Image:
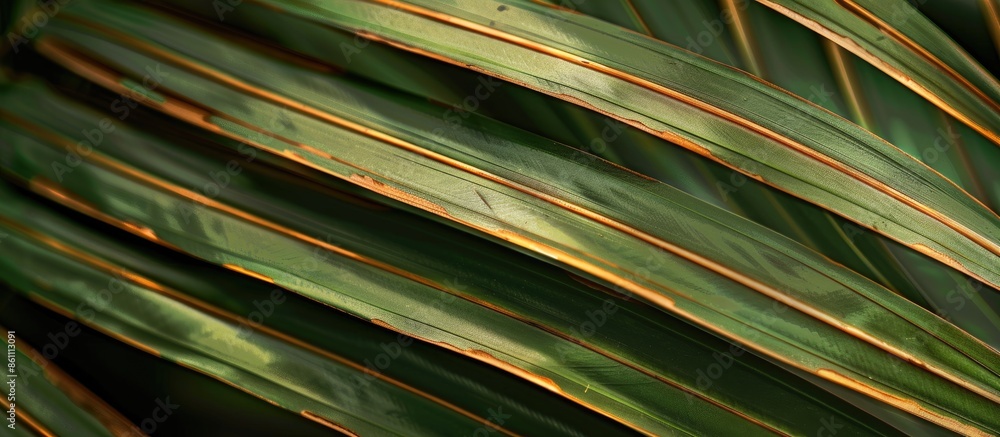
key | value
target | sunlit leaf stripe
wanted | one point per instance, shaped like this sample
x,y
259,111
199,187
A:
x,y
52,403
358,341
895,37
262,353
524,162
163,235
148,233
279,276
161,162
892,35
266,353
497,158
466,318
971,227
895,267
870,98
722,272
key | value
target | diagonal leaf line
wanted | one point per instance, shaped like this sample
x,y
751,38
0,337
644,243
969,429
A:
x,y
877,22
892,71
110,418
788,142
113,165
104,266
736,276
48,190
28,419
933,214
65,312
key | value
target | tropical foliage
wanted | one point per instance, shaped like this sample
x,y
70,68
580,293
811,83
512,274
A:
x,y
501,217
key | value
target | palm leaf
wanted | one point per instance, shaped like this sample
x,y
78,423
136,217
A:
x,y
243,157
